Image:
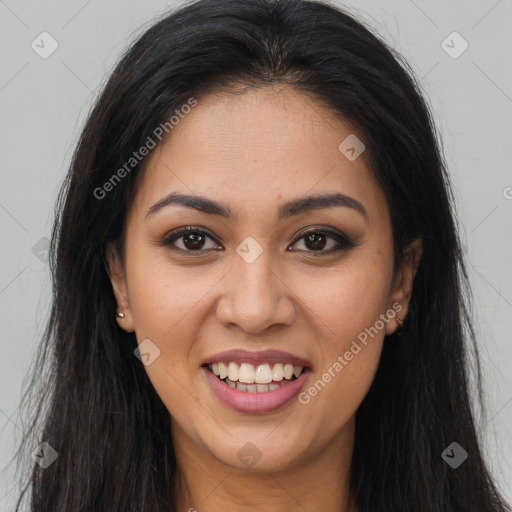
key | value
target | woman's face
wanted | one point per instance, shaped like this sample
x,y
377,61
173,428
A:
x,y
250,174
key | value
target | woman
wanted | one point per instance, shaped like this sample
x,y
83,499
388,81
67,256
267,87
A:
x,y
260,300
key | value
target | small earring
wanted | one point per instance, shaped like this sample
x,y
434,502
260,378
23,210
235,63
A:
x,y
399,320
120,315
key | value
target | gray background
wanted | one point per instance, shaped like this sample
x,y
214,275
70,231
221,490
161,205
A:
x,y
43,103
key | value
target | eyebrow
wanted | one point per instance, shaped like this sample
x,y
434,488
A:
x,y
289,209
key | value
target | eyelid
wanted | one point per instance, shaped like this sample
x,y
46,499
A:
x,y
344,241
178,233
326,231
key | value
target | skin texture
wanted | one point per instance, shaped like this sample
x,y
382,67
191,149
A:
x,y
254,151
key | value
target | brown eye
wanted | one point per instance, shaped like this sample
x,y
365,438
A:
x,y
317,240
194,241
191,240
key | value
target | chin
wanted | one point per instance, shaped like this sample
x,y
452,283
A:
x,y
259,453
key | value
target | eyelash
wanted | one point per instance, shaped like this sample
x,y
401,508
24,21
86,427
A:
x,y
344,242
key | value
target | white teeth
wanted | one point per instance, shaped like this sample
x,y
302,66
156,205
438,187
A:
x,y
233,371
240,386
246,373
259,375
278,372
255,388
223,371
263,374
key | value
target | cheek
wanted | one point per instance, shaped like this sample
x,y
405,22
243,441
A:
x,y
167,302
347,356
347,305
346,300
163,295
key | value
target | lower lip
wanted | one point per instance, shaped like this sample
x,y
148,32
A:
x,y
255,403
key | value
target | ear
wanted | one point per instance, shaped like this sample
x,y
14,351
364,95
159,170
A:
x,y
118,280
402,288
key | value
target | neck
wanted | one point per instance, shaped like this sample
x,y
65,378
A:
x,y
314,483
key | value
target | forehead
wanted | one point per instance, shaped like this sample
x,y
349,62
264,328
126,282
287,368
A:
x,y
257,147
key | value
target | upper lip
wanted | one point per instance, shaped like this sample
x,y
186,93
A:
x,y
241,355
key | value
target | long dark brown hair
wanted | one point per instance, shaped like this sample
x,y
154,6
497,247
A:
x,y
91,400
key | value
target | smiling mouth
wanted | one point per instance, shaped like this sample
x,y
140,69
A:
x,y
252,378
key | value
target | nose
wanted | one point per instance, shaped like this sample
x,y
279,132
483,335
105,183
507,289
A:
x,y
255,297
